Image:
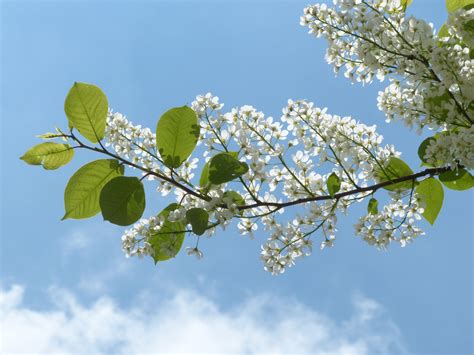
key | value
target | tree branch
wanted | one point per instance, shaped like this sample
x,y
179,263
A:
x,y
373,188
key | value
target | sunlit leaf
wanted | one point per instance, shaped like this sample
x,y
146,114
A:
x,y
177,133
333,184
86,108
405,3
50,155
454,5
81,197
372,207
431,196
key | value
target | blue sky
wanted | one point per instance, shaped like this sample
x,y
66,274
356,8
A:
x,y
149,56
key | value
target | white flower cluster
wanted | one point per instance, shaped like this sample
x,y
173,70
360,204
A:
x,y
292,160
370,38
293,240
135,240
431,76
396,222
452,149
316,141
345,147
133,143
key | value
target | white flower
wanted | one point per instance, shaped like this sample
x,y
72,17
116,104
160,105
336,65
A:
x,y
194,251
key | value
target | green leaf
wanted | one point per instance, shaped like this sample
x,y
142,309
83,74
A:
x,y
405,3
81,197
86,108
50,155
224,167
469,38
469,27
167,242
422,149
333,184
443,31
373,206
431,195
454,5
234,197
396,168
122,200
204,179
50,135
198,218
177,133
457,180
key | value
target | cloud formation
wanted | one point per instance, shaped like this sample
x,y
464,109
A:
x,y
188,322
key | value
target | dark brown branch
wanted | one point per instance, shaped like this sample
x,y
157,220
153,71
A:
x,y
373,188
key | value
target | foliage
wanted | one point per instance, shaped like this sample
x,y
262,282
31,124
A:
x,y
177,133
50,155
81,197
253,168
122,200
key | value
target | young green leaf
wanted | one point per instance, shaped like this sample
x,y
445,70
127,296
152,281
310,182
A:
x,y
122,200
177,133
167,242
396,168
373,206
50,135
50,155
431,194
86,108
459,179
198,218
443,31
405,3
204,179
81,197
333,184
224,167
454,5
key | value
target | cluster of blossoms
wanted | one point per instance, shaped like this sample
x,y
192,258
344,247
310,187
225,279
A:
x,y
431,75
131,142
315,141
396,222
255,167
299,158
452,149
135,240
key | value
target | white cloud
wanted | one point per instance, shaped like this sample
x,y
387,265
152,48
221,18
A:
x,y
97,282
77,240
189,322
